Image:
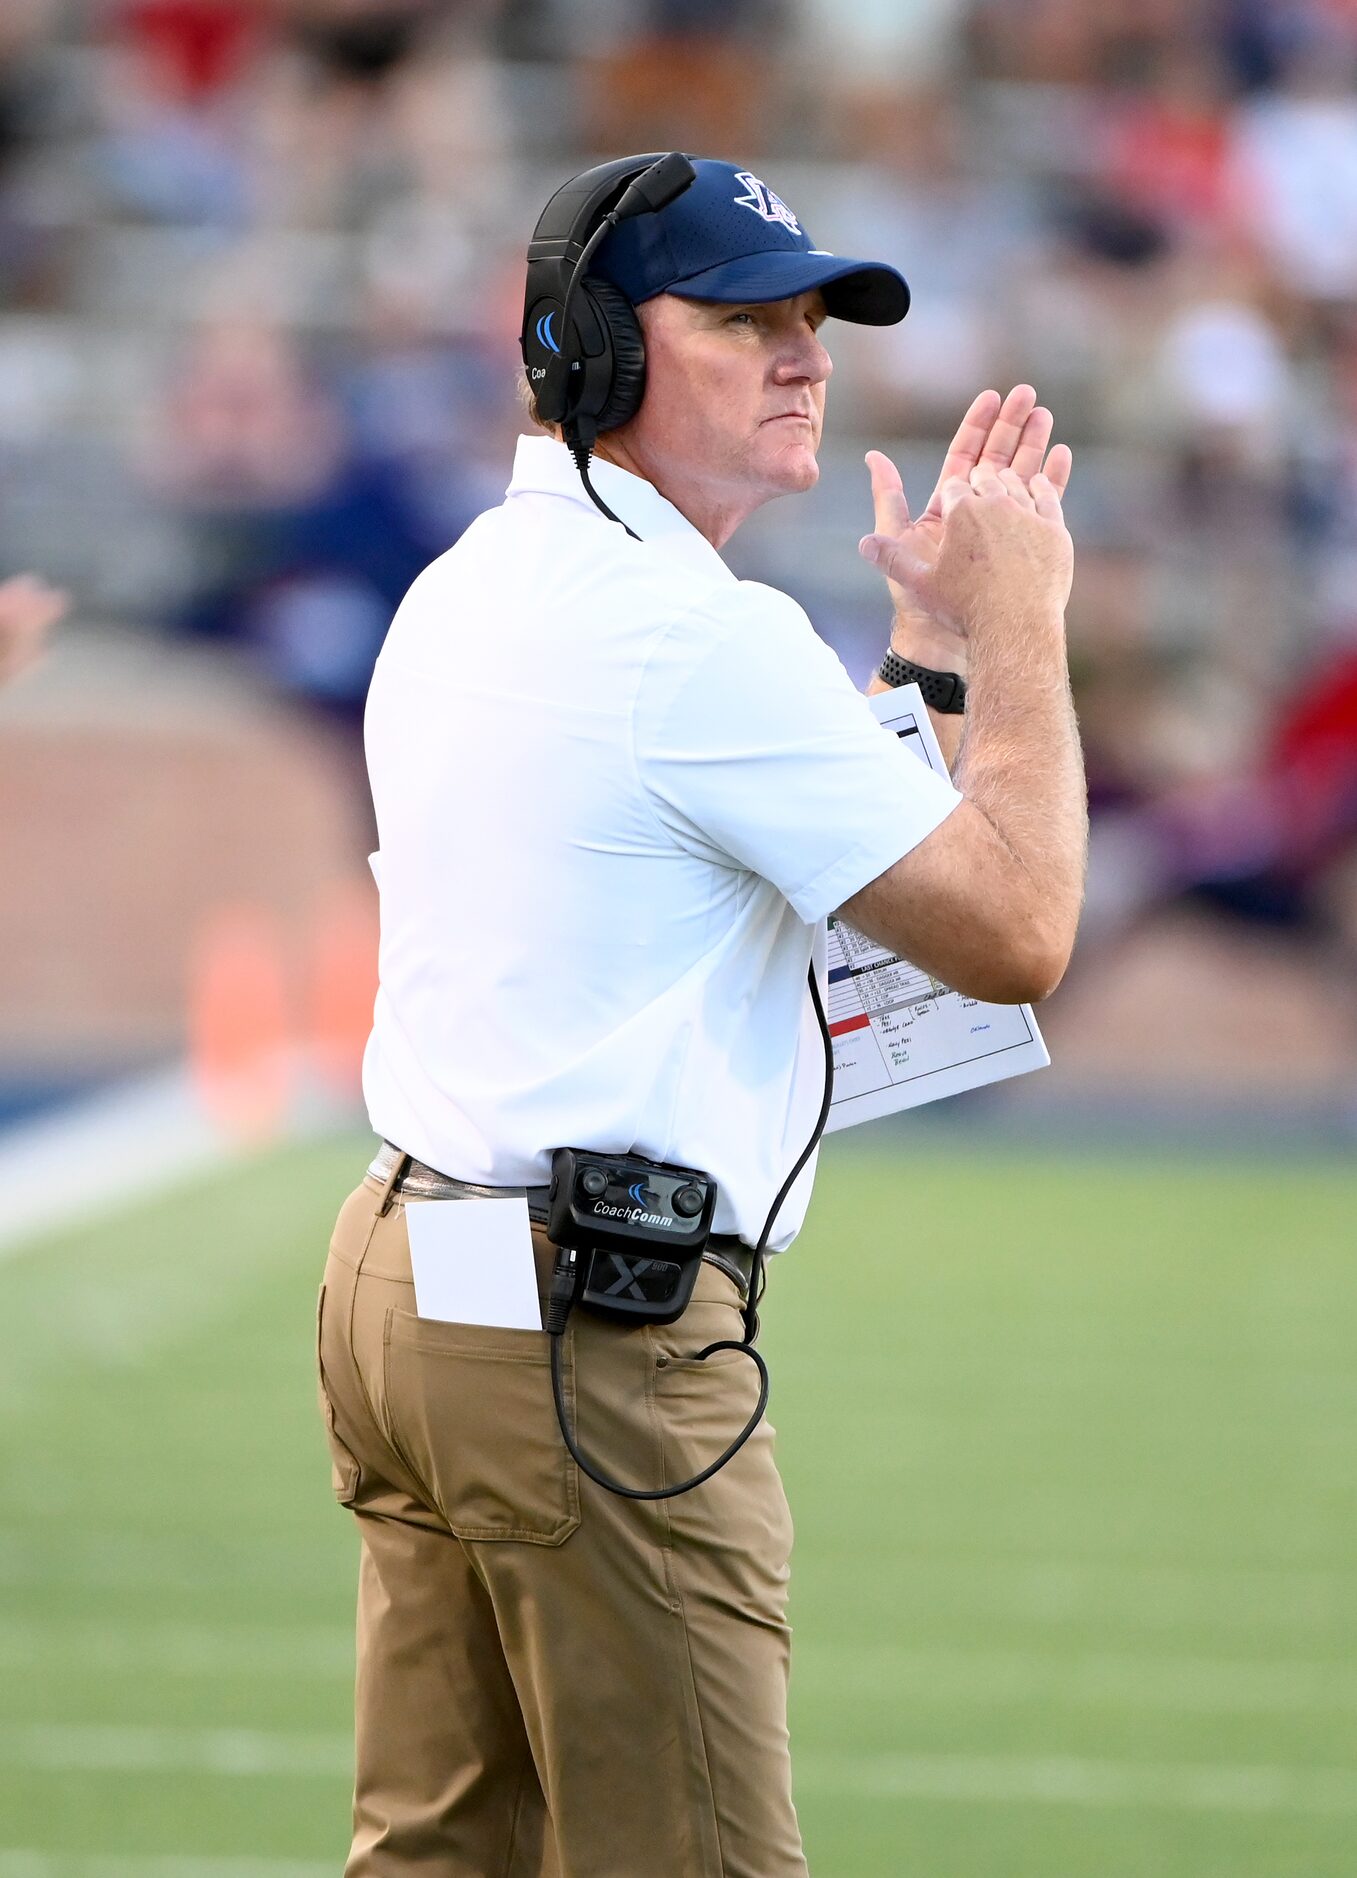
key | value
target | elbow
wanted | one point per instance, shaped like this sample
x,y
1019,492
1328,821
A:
x,y
1019,973
1044,976
1041,969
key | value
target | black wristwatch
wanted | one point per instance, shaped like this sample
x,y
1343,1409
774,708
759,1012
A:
x,y
942,691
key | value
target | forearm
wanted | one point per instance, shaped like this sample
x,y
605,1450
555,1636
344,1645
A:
x,y
1020,762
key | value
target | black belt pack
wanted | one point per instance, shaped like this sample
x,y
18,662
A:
x,y
637,1229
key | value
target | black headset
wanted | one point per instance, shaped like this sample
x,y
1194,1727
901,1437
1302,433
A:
x,y
581,340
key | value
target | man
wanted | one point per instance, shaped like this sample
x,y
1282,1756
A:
x,y
618,791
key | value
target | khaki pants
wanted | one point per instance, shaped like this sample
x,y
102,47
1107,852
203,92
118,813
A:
x,y
554,1682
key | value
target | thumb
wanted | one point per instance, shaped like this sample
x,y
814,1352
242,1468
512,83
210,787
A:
x,y
894,560
891,510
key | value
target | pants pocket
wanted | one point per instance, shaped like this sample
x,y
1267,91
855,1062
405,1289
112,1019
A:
x,y
343,1466
471,1409
738,1522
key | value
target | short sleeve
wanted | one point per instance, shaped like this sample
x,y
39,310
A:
x,y
761,752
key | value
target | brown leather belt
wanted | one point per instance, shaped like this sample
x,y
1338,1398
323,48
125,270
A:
x,y
420,1182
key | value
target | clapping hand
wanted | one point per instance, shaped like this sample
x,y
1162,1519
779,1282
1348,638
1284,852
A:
x,y
1012,434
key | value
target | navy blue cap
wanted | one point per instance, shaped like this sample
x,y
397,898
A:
x,y
728,237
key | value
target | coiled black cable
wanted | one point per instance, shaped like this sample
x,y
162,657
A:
x,y
586,1466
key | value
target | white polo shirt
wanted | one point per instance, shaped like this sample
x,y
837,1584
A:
x,y
617,792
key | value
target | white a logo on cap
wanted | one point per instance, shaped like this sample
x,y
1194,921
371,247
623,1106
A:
x,y
762,201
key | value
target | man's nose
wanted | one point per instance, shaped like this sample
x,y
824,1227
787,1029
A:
x,y
807,359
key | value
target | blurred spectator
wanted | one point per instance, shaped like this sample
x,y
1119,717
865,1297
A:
x,y
246,428
312,519
29,115
1167,143
359,42
1295,158
1225,375
871,62
24,26
379,107
193,50
1258,38
1074,41
696,75
930,206
171,150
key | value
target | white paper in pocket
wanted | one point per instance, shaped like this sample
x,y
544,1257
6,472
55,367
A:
x,y
472,1262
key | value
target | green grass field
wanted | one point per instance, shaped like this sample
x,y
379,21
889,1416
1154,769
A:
x,y
1071,1447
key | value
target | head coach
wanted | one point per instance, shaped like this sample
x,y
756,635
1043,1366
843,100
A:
x,y
618,792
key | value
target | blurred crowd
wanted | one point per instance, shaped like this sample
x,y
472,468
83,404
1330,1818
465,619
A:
x,y
260,277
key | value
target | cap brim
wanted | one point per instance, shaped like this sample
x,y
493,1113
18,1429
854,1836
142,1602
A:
x,y
867,292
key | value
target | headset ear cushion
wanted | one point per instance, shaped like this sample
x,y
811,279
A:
x,y
629,353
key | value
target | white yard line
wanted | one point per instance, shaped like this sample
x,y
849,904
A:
x,y
18,1862
80,1168
75,1164
1070,1781
997,1779
168,1649
1151,1596
96,1560
126,1142
115,1748
1214,1685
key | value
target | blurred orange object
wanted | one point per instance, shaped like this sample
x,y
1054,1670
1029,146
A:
x,y
342,984
241,1050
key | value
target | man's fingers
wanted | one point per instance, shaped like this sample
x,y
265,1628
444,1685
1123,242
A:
x,y
1047,498
1032,444
1007,428
890,509
984,480
963,453
893,559
1016,487
1057,468
953,491
1009,433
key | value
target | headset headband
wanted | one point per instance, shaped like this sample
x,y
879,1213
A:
x,y
578,206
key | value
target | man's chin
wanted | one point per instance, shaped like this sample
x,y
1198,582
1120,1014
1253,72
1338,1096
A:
x,y
794,471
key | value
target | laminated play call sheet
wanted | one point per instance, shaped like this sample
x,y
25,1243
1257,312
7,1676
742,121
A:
x,y
900,1036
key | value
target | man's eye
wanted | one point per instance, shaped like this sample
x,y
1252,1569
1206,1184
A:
x,y
735,317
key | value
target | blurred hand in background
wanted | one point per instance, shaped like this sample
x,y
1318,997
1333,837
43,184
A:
x,y
29,608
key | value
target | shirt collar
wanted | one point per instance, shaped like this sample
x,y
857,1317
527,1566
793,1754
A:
x,y
542,466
